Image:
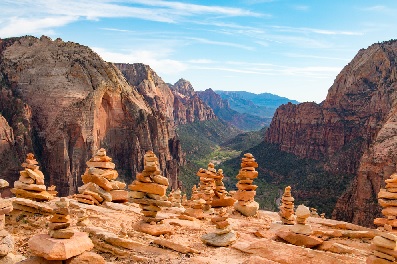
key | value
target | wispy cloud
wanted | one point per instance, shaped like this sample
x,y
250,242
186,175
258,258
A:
x,y
220,43
295,55
316,31
158,59
301,7
37,13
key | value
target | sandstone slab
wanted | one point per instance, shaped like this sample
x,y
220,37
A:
x,y
87,258
248,210
153,188
175,246
60,249
154,230
298,239
219,240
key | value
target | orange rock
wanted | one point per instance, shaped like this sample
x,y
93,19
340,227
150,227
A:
x,y
119,195
244,195
298,239
153,188
101,164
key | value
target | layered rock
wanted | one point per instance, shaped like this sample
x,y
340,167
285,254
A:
x,y
6,240
100,182
221,196
207,184
44,81
223,235
383,249
353,129
31,182
287,207
387,199
246,204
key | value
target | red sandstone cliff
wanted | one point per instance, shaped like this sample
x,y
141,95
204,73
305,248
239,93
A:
x,y
63,102
354,130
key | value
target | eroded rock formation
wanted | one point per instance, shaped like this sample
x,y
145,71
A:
x,y
64,102
353,130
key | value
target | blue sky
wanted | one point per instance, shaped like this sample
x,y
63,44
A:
x,y
290,48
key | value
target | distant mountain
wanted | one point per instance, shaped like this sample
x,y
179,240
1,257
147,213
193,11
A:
x,y
222,109
263,105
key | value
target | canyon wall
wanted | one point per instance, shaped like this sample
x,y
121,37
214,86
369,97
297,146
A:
x,y
63,102
354,130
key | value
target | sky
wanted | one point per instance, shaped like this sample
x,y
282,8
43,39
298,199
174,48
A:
x,y
291,48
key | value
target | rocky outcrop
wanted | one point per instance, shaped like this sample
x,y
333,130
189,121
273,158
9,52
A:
x,y
353,130
188,107
222,109
64,102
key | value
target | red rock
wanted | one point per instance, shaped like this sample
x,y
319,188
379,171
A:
x,y
87,258
154,230
153,188
120,196
60,249
299,240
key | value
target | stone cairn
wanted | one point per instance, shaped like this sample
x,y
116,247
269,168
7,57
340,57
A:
x,y
246,204
223,235
221,197
177,198
207,185
287,207
31,182
62,242
100,183
185,201
387,198
313,212
383,249
148,190
302,213
6,240
196,204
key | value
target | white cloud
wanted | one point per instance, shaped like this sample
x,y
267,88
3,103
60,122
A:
x,y
316,30
221,43
201,61
301,7
157,60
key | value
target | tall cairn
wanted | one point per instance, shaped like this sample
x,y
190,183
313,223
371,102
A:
x,y
383,249
246,204
207,184
100,183
387,198
287,207
148,190
221,197
31,182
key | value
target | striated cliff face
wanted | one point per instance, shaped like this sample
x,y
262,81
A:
x,y
188,107
63,102
354,130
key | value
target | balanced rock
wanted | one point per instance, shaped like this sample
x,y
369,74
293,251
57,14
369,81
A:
x,y
221,197
287,207
223,235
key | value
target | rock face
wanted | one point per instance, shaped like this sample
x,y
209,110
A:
x,y
353,130
243,121
64,102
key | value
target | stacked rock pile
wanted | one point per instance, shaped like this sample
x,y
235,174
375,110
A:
x,y
223,234
62,242
384,249
31,182
221,197
60,221
313,212
6,240
82,218
177,198
207,184
149,189
287,207
302,213
100,183
246,204
387,198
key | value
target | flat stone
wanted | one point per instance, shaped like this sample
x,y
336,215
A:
x,y
119,195
95,195
152,201
26,179
95,188
335,248
148,187
298,239
242,195
38,196
248,210
382,255
87,258
60,249
118,185
101,164
98,180
216,240
154,230
33,174
301,229
62,233
390,252
160,180
39,260
56,226
6,245
30,187
136,194
384,242
387,195
175,246
387,203
375,260
41,207
223,202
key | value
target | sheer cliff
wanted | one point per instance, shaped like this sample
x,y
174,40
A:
x,y
353,131
63,102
